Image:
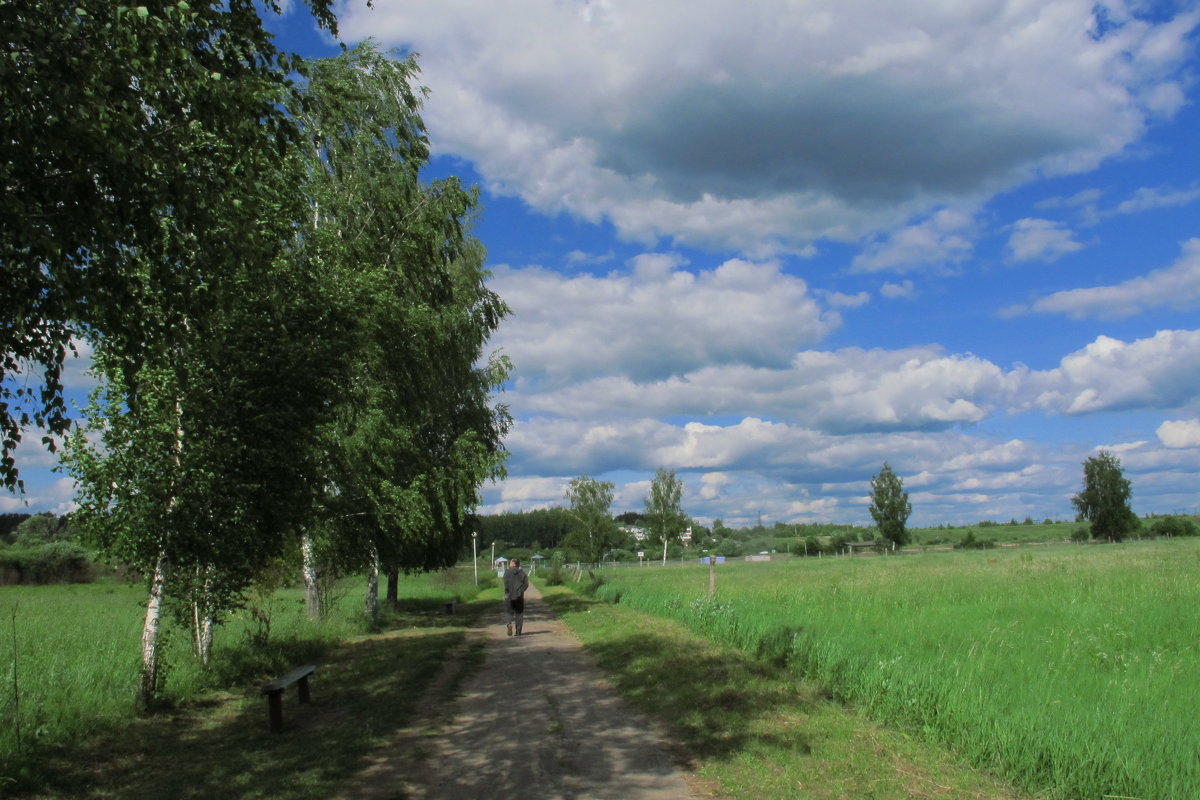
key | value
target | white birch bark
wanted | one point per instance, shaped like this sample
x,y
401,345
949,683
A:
x,y
312,597
149,682
373,586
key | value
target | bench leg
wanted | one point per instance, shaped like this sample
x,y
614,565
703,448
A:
x,y
302,689
275,710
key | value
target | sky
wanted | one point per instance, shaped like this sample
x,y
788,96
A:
x,y
772,246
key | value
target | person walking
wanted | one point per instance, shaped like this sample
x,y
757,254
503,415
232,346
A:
x,y
515,584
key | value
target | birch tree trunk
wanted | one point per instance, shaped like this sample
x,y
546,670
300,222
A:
x,y
202,620
312,597
664,550
372,604
149,682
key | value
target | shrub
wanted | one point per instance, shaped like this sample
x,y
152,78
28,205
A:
x,y
55,562
1081,535
1174,526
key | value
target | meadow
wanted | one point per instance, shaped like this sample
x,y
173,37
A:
x,y
1068,669
70,654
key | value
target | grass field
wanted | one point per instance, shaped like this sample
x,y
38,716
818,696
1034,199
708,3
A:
x,y
69,658
1070,670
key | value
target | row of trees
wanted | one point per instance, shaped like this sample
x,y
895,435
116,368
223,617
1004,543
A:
x,y
594,532
287,324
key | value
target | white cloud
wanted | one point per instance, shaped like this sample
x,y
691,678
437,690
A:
x,y
1147,199
1176,287
1041,240
1180,433
941,240
894,291
1111,375
655,321
843,391
766,127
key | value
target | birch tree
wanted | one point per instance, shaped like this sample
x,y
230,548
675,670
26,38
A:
x,y
593,530
127,133
414,432
664,516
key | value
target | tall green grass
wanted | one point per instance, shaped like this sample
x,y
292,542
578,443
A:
x,y
1070,670
70,654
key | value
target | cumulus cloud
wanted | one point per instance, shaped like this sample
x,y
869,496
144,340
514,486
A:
x,y
1180,433
1040,240
850,390
1175,287
655,320
770,127
1111,375
943,239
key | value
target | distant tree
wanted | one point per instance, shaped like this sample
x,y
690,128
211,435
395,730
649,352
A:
x,y
1104,501
42,529
635,518
8,525
889,506
665,519
593,532
1170,527
729,548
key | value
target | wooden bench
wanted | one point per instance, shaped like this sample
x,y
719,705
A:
x,y
274,693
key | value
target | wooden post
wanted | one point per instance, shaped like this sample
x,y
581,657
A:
x,y
712,575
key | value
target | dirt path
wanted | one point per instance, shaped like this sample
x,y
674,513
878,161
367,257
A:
x,y
538,720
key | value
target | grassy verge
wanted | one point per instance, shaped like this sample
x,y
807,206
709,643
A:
x,y
750,726
215,743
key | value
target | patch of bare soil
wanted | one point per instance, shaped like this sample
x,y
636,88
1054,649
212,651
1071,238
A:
x,y
537,719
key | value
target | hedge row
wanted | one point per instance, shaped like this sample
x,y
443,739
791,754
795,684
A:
x,y
55,562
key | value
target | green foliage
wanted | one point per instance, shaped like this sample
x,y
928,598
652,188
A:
x,y
1104,500
413,433
664,518
49,562
556,575
129,135
9,524
545,527
969,542
1174,526
41,529
889,506
1081,534
593,532
730,548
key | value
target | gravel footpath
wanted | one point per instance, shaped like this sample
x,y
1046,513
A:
x,y
537,720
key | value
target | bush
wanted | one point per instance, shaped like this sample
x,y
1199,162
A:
x,y
969,542
56,562
729,548
1081,535
1174,526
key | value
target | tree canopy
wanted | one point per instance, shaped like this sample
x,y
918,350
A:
x,y
1104,500
889,506
664,517
593,532
127,135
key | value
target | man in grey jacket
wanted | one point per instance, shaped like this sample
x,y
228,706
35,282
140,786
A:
x,y
515,584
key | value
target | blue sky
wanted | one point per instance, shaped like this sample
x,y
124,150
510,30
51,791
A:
x,y
771,246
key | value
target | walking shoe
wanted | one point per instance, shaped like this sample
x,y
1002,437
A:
x,y
510,629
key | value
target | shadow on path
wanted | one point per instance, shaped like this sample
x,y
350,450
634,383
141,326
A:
x,y
537,720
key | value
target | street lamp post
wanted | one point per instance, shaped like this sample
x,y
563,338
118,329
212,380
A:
x,y
475,555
